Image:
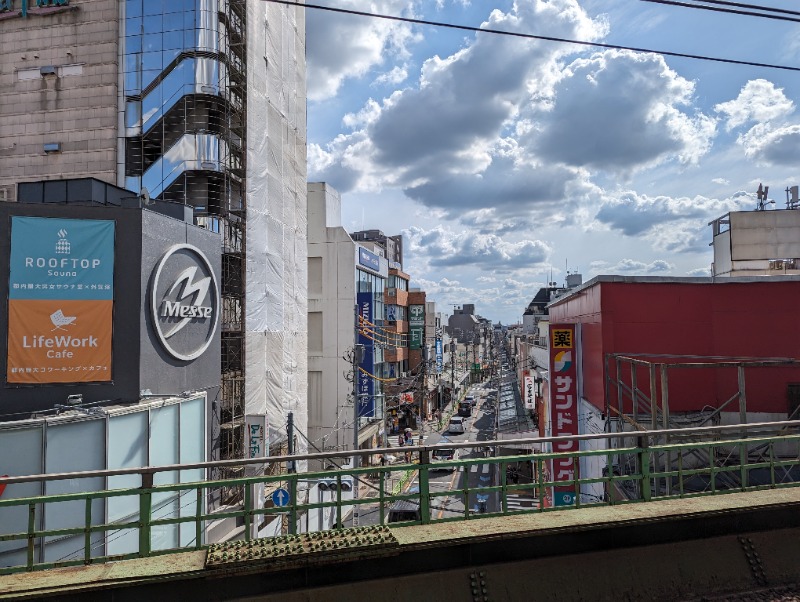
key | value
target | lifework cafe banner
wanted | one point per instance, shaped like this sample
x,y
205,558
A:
x,y
563,407
60,300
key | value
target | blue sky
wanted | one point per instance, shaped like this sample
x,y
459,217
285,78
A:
x,y
504,160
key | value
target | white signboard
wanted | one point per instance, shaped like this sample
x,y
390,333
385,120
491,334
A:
x,y
529,397
256,437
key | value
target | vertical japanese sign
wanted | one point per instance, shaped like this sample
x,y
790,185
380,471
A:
x,y
257,438
416,324
529,397
439,352
60,300
563,408
366,383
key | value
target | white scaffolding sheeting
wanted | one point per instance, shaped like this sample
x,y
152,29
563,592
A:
x,y
276,287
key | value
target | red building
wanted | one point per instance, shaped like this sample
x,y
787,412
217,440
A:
x,y
733,318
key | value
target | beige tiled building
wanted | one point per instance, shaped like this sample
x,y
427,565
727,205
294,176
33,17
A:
x,y
58,92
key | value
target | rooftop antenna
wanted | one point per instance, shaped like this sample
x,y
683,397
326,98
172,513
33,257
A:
x,y
794,201
761,195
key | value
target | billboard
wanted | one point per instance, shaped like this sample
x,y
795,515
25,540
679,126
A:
x,y
366,383
60,300
368,259
416,323
563,407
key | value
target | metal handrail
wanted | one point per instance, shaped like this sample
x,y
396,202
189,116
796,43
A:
x,y
644,481
151,470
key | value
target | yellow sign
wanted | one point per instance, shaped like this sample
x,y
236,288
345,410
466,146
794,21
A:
x,y
561,338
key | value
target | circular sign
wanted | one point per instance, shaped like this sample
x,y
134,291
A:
x,y
184,302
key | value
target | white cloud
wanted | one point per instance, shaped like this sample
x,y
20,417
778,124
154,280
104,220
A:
x,y
445,248
341,46
634,214
758,101
772,145
620,111
395,76
631,266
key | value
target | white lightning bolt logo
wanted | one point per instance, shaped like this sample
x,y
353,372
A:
x,y
199,289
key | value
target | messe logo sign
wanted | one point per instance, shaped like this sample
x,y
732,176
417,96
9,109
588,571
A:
x,y
184,302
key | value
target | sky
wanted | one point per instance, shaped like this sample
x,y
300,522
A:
x,y
506,162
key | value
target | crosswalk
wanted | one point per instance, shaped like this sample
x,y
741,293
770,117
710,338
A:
x,y
521,502
484,468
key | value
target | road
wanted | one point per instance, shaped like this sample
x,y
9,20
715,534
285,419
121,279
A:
x,y
480,426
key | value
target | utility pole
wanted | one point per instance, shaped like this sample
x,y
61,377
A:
x,y
358,355
423,406
290,445
453,372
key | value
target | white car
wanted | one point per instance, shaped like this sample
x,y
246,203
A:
x,y
444,454
456,425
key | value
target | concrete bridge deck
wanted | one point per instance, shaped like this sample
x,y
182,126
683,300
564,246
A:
x,y
679,549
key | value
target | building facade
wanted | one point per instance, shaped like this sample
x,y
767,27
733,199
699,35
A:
x,y
198,102
346,283
689,351
757,243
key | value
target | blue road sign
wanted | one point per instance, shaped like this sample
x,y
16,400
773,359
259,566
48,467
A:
x,y
280,497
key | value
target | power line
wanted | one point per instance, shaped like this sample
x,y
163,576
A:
x,y
529,36
757,11
756,6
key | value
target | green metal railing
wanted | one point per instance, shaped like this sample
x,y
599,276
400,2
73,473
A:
x,y
710,466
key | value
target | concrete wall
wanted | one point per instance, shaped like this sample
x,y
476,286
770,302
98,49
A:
x,y
77,107
331,301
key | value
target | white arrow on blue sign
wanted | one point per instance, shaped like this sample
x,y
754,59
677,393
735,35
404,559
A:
x,y
280,497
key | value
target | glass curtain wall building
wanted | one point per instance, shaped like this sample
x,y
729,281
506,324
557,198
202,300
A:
x,y
184,80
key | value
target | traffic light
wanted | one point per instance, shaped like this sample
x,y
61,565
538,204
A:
x,y
333,485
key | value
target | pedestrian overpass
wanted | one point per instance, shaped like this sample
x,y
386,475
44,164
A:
x,y
701,512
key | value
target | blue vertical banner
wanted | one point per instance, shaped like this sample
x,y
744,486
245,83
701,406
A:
x,y
366,335
439,360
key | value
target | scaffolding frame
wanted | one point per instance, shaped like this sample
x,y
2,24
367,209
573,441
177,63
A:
x,y
650,411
